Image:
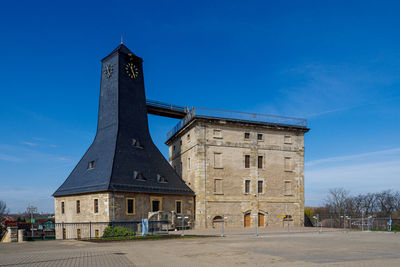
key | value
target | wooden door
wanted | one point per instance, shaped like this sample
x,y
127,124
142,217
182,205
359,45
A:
x,y
247,220
260,220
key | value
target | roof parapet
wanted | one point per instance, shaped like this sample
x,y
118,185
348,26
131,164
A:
x,y
237,116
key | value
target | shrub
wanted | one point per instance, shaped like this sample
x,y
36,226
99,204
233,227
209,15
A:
x,y
396,227
118,231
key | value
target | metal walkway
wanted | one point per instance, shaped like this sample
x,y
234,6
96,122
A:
x,y
166,110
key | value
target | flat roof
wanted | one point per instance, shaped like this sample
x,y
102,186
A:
x,y
237,116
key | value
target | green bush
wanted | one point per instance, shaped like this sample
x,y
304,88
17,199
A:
x,y
118,231
396,227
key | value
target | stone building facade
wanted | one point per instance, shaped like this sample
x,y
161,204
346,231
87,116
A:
x,y
247,171
73,213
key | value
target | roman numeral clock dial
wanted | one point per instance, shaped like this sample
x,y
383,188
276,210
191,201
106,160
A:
x,y
132,70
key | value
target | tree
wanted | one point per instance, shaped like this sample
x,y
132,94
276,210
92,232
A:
x,y
3,209
338,200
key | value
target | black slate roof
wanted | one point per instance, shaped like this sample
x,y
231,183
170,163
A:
x,y
123,149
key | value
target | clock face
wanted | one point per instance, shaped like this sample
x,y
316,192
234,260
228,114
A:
x,y
131,70
108,70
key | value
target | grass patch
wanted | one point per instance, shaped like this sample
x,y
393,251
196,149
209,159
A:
x,y
148,237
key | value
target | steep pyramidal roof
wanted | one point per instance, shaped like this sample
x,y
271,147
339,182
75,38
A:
x,y
123,156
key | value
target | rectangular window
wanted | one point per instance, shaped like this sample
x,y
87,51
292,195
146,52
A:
x,y
188,137
288,164
247,161
64,233
96,206
97,233
288,188
247,186
78,233
178,206
217,160
78,206
62,207
246,135
288,139
217,134
156,204
130,206
260,187
260,162
91,165
218,186
259,137
189,165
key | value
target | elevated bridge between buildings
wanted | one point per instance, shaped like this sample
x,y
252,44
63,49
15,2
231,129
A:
x,y
166,110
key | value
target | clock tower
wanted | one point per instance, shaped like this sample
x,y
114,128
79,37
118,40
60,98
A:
x,y
123,160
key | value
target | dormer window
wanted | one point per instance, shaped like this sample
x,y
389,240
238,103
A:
x,y
161,179
139,176
91,165
136,143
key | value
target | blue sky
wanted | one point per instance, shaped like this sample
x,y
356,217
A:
x,y
335,63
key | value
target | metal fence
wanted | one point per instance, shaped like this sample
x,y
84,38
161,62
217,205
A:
x,y
266,223
96,230
236,115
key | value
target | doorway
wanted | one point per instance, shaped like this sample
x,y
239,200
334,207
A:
x,y
261,220
247,220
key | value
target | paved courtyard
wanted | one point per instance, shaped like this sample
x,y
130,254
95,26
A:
x,y
269,249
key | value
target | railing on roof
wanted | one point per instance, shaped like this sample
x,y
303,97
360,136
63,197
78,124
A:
x,y
165,105
238,116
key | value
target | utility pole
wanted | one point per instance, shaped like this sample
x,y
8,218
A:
x,y
362,221
31,210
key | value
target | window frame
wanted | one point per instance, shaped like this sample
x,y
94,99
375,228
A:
x,y
96,206
151,203
127,206
288,164
287,139
258,186
290,191
262,162
258,137
62,207
220,165
91,165
217,134
247,181
246,134
78,206
181,207
218,180
247,163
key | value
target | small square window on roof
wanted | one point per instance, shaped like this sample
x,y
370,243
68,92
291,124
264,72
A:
x,y
139,176
136,143
161,179
91,165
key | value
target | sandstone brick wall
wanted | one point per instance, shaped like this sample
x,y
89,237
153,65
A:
x,y
217,172
71,221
